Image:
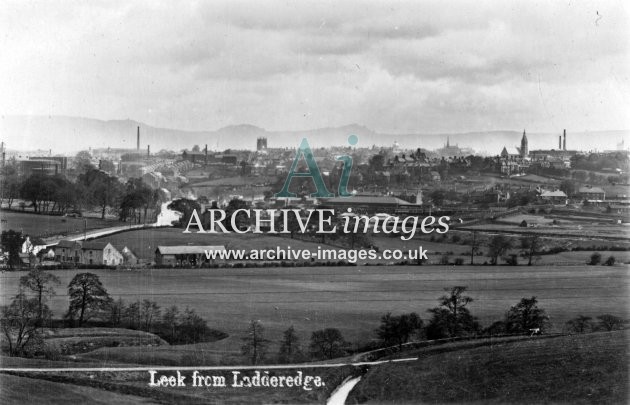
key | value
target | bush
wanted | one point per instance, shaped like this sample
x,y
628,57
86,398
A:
x,y
610,261
445,259
581,324
610,322
511,260
595,259
459,261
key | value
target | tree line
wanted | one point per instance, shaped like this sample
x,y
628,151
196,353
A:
x,y
93,188
450,319
24,319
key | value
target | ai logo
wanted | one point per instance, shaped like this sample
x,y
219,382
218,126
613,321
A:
x,y
313,172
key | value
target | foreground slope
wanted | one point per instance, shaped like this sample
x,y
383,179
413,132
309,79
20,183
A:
x,y
589,368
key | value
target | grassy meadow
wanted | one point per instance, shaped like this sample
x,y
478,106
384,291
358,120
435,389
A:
x,y
349,298
575,369
46,225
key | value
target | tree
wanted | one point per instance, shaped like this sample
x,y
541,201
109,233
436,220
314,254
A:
x,y
192,328
290,345
88,297
610,322
131,315
580,324
255,344
170,318
532,246
117,310
9,185
474,247
327,343
569,187
137,196
437,196
525,316
499,244
20,322
452,318
241,220
107,166
83,161
376,162
398,329
12,242
595,259
102,189
40,282
149,311
186,207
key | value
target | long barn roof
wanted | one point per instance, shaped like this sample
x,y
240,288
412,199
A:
x,y
187,250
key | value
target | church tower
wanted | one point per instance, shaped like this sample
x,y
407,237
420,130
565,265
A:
x,y
524,148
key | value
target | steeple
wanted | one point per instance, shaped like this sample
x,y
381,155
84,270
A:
x,y
524,147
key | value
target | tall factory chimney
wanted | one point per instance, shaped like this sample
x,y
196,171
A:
x,y
205,161
564,141
559,142
148,150
138,140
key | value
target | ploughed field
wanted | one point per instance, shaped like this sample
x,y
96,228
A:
x,y
352,299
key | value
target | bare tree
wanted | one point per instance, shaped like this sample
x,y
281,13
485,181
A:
x,y
290,345
149,311
20,322
499,244
170,318
255,343
532,245
39,282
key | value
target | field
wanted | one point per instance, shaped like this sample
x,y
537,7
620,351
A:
x,y
47,225
579,369
20,390
349,298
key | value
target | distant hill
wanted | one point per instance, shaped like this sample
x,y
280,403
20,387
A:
x,y
70,134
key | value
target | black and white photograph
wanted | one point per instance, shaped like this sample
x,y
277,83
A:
x,y
314,202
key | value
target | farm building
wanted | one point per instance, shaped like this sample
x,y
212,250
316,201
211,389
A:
x,y
94,252
556,197
172,256
366,204
129,257
68,252
591,193
101,253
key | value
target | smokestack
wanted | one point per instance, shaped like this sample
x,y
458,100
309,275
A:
x,y
148,150
205,161
138,140
564,142
559,142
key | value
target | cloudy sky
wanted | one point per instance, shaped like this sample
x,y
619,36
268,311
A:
x,y
438,66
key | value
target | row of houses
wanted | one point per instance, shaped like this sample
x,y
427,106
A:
x,y
103,253
94,253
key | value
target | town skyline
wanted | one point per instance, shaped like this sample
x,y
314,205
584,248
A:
x,y
22,132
